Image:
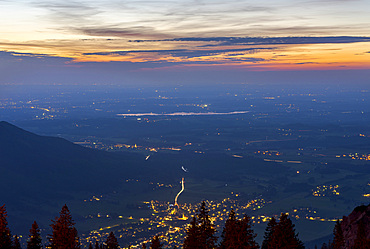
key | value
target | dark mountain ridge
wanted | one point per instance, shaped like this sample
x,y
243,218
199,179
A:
x,y
39,172
351,223
58,162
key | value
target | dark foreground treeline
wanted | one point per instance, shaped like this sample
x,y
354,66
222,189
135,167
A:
x,y
201,234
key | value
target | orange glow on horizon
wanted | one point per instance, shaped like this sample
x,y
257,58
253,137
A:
x,y
292,57
190,55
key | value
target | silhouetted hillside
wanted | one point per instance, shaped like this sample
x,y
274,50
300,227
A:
x,y
54,163
350,224
42,171
38,169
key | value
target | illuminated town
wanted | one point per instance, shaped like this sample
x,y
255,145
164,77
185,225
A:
x,y
170,220
326,190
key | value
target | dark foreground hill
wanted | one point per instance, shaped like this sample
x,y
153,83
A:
x,y
351,223
37,171
55,164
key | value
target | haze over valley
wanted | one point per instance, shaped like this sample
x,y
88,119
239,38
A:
x,y
296,150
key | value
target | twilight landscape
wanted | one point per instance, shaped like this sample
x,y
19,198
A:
x,y
192,124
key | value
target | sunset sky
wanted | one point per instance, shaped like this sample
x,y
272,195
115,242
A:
x,y
134,40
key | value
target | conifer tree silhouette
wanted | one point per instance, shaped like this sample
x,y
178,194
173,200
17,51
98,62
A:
x,y
16,244
192,235
64,234
201,233
111,242
34,240
246,234
361,242
324,246
228,234
155,243
96,246
271,225
238,233
284,235
338,242
5,236
207,238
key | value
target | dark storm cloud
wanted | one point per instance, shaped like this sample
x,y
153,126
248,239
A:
x,y
244,59
226,41
184,52
17,57
305,63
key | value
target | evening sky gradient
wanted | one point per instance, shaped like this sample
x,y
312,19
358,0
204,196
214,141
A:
x,y
195,41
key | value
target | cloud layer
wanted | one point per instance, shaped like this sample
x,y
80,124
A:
x,y
137,36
